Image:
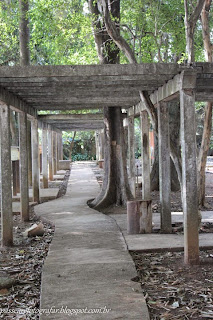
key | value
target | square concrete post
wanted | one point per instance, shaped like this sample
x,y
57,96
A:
x,y
57,151
164,167
189,169
50,152
131,153
29,148
44,155
146,168
97,145
35,161
16,180
54,153
6,187
101,143
61,147
24,186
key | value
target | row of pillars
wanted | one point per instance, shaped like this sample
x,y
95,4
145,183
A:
x,y
29,165
189,168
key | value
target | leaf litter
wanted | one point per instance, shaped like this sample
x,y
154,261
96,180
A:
x,y
174,290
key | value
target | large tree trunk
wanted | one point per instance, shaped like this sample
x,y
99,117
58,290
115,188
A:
x,y
207,128
115,189
24,33
190,23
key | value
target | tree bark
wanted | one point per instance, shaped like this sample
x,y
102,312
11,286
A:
x,y
24,33
115,189
207,129
190,23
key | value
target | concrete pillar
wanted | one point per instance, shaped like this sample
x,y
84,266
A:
x,y
24,186
97,145
189,174
44,155
6,187
16,179
101,143
50,152
61,147
35,160
146,183
131,153
54,156
164,167
29,148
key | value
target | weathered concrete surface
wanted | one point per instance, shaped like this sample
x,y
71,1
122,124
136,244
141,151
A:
x,y
45,194
162,242
88,264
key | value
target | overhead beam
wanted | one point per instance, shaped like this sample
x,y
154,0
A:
x,y
71,117
16,104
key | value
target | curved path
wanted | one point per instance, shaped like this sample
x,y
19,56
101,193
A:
x,y
88,266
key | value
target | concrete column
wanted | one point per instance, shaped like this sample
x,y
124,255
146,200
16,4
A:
x,y
44,155
57,151
54,157
189,176
50,152
97,145
16,180
164,167
61,147
6,187
35,161
101,143
146,184
131,153
29,148
24,187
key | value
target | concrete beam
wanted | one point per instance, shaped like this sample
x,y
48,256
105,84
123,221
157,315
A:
x,y
64,118
16,103
6,188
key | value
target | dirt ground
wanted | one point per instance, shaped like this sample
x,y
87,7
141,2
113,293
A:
x,y
173,290
22,264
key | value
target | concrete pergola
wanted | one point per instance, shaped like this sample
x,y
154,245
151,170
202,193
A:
x,y
28,90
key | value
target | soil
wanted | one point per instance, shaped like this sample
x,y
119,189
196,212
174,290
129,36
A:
x,y
173,290
23,263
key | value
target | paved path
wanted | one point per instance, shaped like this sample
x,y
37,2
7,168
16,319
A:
x,y
88,265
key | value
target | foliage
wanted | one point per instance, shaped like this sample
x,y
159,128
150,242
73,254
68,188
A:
x,y
84,145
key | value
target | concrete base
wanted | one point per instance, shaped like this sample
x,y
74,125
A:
x,y
88,265
45,195
17,207
64,164
162,242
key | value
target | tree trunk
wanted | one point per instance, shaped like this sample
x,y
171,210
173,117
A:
x,y
14,129
190,21
115,189
207,129
24,33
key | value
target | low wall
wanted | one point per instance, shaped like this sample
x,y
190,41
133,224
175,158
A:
x,y
64,164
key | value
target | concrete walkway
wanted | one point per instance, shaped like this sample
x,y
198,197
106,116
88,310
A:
x,y
88,265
